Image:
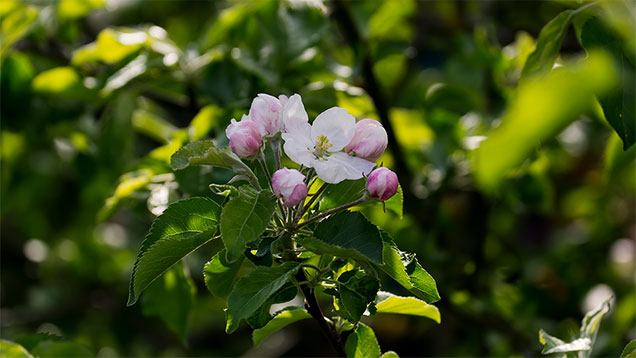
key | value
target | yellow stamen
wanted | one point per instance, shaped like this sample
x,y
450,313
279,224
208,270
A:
x,y
322,145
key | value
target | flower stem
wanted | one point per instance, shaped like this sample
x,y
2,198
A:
x,y
275,143
329,212
315,196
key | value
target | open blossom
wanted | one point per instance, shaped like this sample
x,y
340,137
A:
x,y
266,111
369,140
382,184
245,137
320,144
289,184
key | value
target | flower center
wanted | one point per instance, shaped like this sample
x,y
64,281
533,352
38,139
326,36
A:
x,y
322,145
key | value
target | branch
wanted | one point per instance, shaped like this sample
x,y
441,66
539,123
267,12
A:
x,y
314,310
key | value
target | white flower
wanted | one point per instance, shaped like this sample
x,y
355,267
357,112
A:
x,y
320,144
266,112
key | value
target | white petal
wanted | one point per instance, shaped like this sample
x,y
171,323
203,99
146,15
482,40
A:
x,y
295,117
299,149
340,166
337,125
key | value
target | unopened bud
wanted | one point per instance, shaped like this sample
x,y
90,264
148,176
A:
x,y
245,137
289,185
382,184
369,140
267,112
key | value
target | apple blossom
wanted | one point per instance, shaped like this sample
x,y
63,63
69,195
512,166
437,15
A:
x,y
290,185
266,111
382,184
245,137
369,140
319,145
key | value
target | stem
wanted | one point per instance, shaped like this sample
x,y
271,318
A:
x,y
314,310
261,161
311,201
275,143
329,212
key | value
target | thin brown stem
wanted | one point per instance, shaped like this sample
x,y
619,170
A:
x,y
315,196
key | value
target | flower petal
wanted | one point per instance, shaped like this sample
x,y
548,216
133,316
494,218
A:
x,y
341,166
337,125
295,117
299,149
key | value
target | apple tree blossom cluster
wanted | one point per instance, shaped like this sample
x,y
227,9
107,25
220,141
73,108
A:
x,y
334,146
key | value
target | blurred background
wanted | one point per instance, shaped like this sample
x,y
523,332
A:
x,y
97,94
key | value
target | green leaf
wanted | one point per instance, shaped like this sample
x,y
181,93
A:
x,y
630,350
124,75
254,289
362,343
219,274
554,345
281,320
336,195
390,354
551,37
182,228
592,321
57,81
61,349
15,26
618,105
14,350
533,117
342,193
389,303
349,233
260,318
406,270
75,9
204,121
170,298
244,219
205,152
356,291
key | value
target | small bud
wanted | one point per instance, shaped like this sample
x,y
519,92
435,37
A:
x,y
369,140
289,184
267,112
245,137
382,184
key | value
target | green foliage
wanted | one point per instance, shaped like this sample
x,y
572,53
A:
x,y
531,118
348,233
362,343
254,289
181,229
219,274
389,303
618,105
11,349
582,346
279,321
244,219
630,350
207,153
170,298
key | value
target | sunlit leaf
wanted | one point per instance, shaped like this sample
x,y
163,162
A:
x,y
630,350
74,9
16,25
362,343
389,303
182,228
207,118
541,108
57,81
280,321
11,349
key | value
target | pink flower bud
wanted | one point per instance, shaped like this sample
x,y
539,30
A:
x,y
382,184
369,140
267,112
245,137
289,184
